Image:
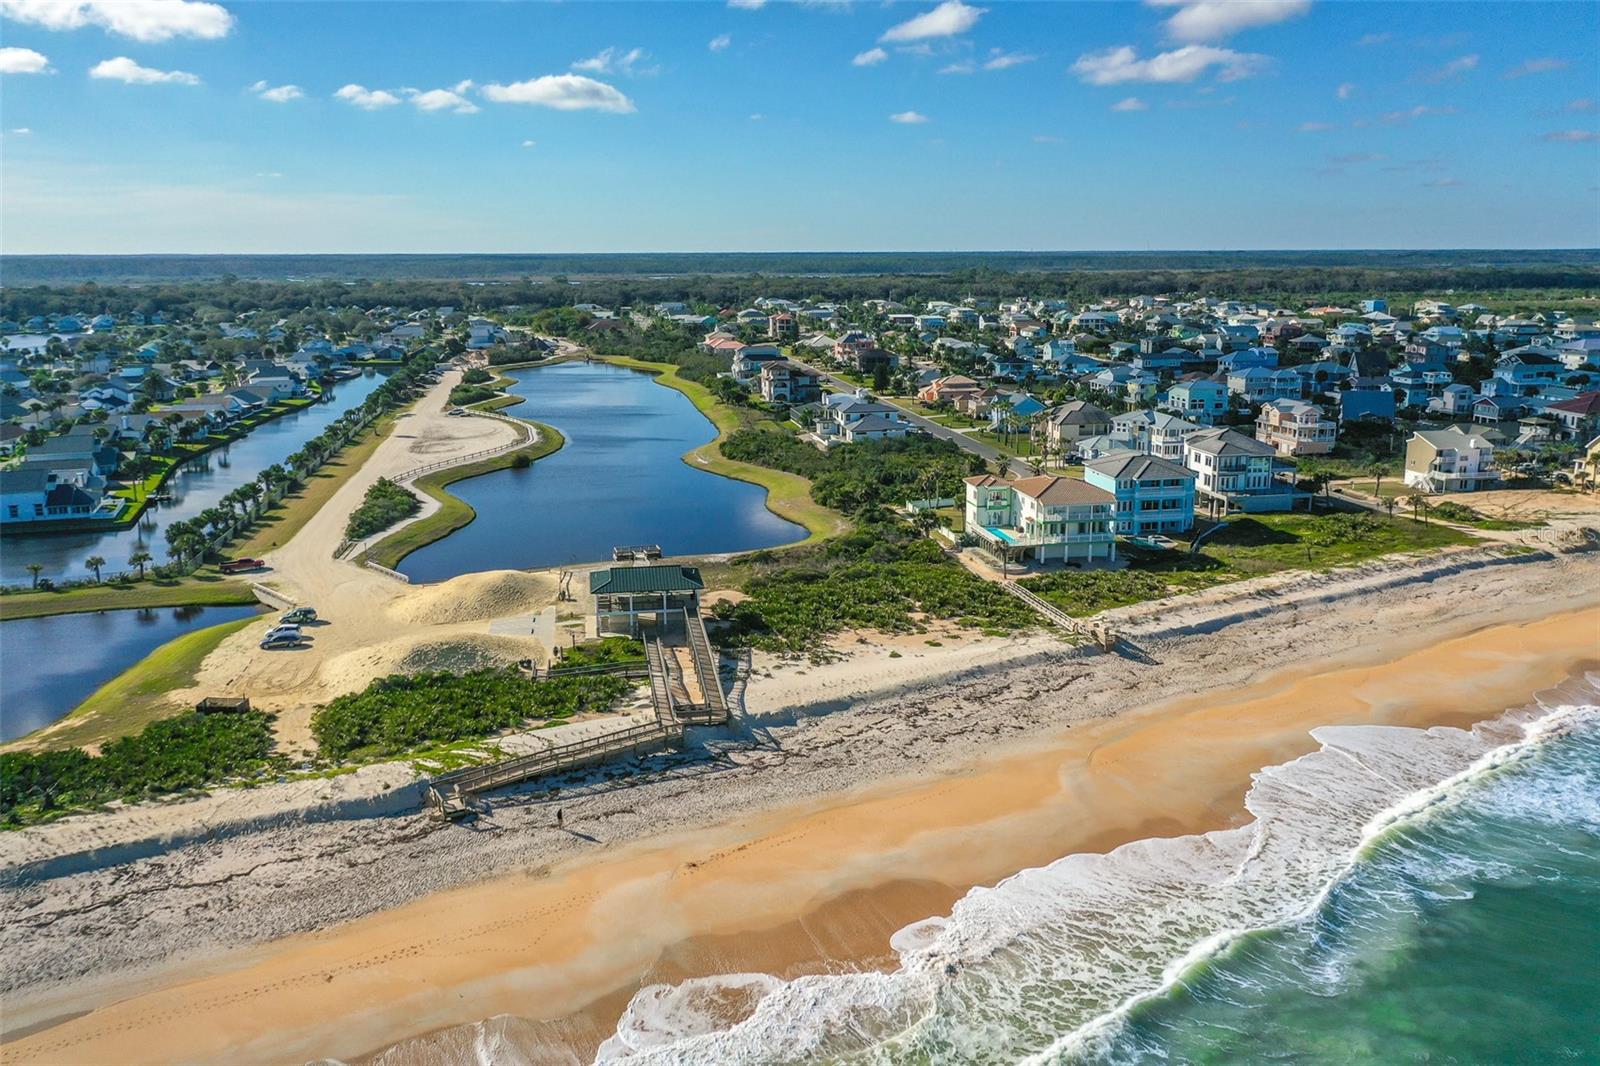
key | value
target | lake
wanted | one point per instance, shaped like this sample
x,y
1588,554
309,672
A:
x,y
50,665
620,479
195,486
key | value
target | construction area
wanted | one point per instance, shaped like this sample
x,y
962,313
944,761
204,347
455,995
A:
x,y
659,605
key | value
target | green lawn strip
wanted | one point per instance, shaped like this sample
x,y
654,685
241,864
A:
x,y
788,495
205,588
453,512
137,696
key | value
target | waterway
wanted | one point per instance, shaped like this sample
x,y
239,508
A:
x,y
50,665
197,485
620,479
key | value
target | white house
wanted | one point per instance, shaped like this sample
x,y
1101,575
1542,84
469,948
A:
x,y
1449,460
1045,518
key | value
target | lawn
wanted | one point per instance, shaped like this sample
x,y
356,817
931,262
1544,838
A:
x,y
1392,488
127,703
205,588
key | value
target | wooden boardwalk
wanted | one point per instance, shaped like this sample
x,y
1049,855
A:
x,y
1102,635
676,703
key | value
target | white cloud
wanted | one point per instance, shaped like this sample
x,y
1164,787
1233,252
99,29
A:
x,y
529,144
1046,138
756,116
747,5
1573,136
1131,103
949,19
23,61
615,61
1456,67
719,42
142,20
564,92
1213,20
21,131
269,174
1346,90
281,94
124,69
911,118
1001,60
1400,118
444,100
1117,65
965,66
1541,65
1443,183
1582,103
367,99
870,58
1316,127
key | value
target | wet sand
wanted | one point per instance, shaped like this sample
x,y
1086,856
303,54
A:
x,y
799,889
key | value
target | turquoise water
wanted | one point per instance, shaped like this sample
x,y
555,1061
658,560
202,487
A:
x,y
1403,895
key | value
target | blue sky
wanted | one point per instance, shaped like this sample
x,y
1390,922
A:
x,y
177,126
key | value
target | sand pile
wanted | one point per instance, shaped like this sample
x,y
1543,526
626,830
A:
x,y
457,653
475,598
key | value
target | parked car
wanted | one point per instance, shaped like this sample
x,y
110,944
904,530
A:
x,y
234,566
289,627
281,639
299,616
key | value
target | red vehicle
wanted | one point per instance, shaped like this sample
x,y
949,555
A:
x,y
235,566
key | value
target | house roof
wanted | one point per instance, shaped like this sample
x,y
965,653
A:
x,y
1078,413
1138,465
873,424
1050,489
1452,438
1585,403
1227,442
641,579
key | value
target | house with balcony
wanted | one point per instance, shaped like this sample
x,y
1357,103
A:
x,y
1294,427
1153,495
1449,460
789,383
1198,400
1236,473
1159,433
1069,423
1577,419
1259,384
1044,518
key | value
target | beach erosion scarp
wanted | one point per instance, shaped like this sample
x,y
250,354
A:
x,y
825,839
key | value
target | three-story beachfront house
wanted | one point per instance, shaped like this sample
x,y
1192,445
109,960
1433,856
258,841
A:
x,y
1449,460
1153,495
1294,427
1198,400
1045,518
1235,473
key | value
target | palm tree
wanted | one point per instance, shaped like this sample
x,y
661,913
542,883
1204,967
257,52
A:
x,y
1378,470
95,562
1419,506
139,559
34,570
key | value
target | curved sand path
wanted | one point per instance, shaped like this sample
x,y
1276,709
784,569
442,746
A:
x,y
371,625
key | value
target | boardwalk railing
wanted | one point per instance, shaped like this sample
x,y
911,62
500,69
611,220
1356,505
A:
x,y
705,664
386,572
1102,635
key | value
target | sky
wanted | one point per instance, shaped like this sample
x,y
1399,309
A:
x,y
131,126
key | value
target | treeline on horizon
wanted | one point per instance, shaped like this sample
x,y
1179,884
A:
x,y
22,270
232,295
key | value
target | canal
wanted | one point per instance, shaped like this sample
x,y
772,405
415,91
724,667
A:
x,y
196,485
620,479
50,665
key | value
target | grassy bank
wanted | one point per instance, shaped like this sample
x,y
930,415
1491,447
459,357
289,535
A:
x,y
788,495
453,513
138,696
206,588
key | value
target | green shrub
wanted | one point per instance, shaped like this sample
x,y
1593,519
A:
x,y
400,712
385,504
466,395
476,376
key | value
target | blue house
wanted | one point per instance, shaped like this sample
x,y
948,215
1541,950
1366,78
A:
x,y
1154,495
1200,400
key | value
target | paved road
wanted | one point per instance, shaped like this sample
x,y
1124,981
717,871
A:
x,y
961,440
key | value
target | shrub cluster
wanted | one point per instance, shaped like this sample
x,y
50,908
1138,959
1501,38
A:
x,y
385,504
170,755
400,712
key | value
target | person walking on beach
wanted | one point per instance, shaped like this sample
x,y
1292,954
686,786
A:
x,y
559,819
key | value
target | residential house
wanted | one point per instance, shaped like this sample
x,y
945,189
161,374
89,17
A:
x,y
1074,420
1454,401
1236,473
1158,433
1367,404
1577,419
841,410
873,427
789,383
42,493
1259,384
1294,427
1153,495
783,326
1449,460
1198,400
1046,518
947,389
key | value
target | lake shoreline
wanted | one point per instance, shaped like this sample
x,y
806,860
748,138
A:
x,y
866,781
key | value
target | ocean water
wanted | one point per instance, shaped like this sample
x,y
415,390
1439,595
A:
x,y
1402,895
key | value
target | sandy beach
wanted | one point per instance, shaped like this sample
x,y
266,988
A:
x,y
862,796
